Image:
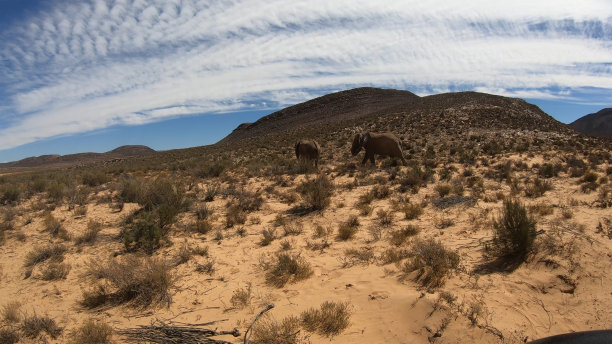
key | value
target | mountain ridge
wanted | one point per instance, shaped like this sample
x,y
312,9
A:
x,y
596,124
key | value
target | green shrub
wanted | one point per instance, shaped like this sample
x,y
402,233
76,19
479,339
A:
x,y
9,193
514,231
142,231
94,178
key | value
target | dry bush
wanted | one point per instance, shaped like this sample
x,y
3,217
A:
x,y
541,209
385,217
393,255
203,212
365,198
380,191
54,253
202,226
414,178
346,232
353,256
269,331
288,269
364,209
292,229
241,297
329,320
235,216
412,211
400,236
317,192
269,235
55,271
136,281
320,232
91,233
92,331
54,226
9,335
32,326
537,188
443,189
433,263
211,191
514,232
10,312
206,268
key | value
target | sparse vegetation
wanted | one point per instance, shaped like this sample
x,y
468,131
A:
x,y
241,297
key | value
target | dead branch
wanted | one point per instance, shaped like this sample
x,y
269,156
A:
x,y
246,339
160,332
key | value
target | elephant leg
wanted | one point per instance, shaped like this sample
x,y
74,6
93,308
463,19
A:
x,y
372,159
365,158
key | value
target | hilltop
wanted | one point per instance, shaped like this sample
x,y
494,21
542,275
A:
x,y
81,158
596,124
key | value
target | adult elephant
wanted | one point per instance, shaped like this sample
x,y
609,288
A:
x,y
308,150
386,144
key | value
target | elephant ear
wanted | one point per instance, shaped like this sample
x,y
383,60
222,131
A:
x,y
365,139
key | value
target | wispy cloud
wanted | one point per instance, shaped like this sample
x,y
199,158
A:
x,y
88,65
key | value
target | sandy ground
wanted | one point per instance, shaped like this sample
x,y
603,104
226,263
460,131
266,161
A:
x,y
563,291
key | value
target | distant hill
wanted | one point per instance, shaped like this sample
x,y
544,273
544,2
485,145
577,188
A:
x,y
596,124
402,112
80,158
344,106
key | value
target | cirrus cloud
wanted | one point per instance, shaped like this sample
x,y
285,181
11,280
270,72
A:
x,y
83,66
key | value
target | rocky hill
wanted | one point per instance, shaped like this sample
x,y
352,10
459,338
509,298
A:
x,y
448,117
596,124
81,158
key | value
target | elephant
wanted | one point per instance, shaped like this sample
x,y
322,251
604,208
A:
x,y
308,150
386,144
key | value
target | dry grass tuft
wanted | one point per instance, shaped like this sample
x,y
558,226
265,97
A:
x,y
268,331
288,269
32,326
91,233
10,312
138,282
433,263
92,331
54,253
242,297
329,320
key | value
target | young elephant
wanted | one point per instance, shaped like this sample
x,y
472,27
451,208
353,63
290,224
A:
x,y
308,149
385,144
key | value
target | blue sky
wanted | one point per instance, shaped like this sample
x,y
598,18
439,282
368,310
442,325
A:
x,y
91,75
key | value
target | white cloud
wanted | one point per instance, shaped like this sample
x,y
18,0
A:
x,y
86,66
